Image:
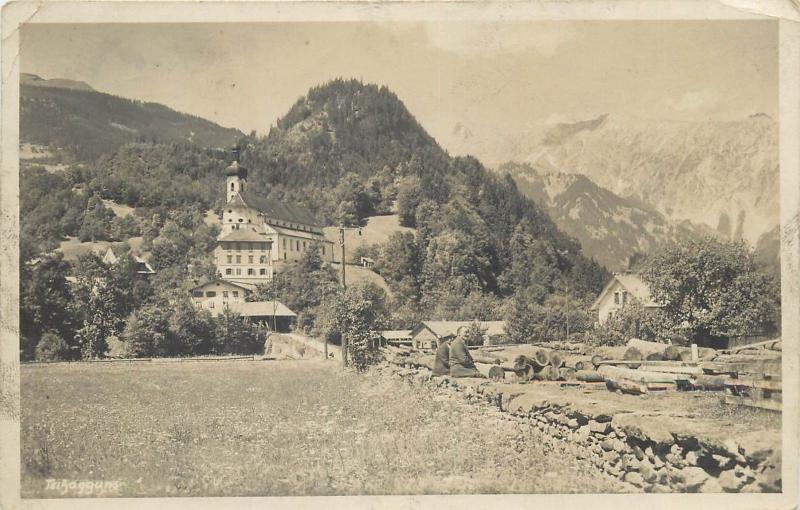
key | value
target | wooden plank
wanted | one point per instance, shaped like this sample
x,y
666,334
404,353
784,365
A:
x,y
651,363
669,369
751,382
640,375
771,405
765,343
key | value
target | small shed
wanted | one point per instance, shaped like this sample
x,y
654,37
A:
x,y
397,337
428,334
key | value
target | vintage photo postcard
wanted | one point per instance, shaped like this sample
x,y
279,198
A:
x,y
400,255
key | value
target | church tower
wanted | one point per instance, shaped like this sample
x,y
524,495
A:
x,y
235,177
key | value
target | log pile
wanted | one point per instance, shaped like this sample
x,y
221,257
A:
x,y
748,375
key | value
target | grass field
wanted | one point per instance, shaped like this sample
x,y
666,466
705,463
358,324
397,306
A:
x,y
272,428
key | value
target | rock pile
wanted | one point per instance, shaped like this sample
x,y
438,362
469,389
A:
x,y
636,448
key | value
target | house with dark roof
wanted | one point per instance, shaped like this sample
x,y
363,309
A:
x,y
623,289
258,232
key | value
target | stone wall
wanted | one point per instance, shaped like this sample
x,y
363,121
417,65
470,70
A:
x,y
639,449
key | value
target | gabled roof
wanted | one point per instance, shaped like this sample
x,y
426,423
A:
x,y
447,328
262,309
633,284
222,280
279,210
396,334
244,234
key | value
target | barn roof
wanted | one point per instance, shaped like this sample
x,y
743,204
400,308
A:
x,y
632,283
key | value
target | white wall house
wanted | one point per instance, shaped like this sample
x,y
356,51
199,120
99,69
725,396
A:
x,y
622,290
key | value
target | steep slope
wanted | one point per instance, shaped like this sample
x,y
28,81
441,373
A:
x,y
69,115
610,228
722,174
355,144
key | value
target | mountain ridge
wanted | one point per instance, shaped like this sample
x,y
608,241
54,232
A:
x,y
610,228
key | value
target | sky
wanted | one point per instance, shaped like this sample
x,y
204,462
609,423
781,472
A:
x,y
466,82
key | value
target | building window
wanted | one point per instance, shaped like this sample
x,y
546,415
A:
x,y
224,293
230,259
284,255
232,188
197,293
616,298
323,250
211,293
263,271
229,271
240,220
238,271
250,271
284,244
238,259
211,304
250,246
235,293
624,298
263,259
250,259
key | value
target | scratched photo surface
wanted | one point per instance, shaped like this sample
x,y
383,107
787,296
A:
x,y
399,258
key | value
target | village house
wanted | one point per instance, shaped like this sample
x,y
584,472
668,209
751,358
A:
x,y
219,295
621,290
258,232
140,266
428,334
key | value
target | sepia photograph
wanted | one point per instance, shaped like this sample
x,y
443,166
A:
x,y
399,256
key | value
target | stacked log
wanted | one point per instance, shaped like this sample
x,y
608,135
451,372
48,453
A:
x,y
589,376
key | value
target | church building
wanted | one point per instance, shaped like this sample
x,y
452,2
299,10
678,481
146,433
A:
x,y
260,233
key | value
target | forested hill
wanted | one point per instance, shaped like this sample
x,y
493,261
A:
x,y
68,115
349,150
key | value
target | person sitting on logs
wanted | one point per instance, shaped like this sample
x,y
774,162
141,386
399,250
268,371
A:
x,y
441,363
461,362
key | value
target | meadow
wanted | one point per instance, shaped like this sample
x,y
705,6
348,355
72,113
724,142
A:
x,y
269,428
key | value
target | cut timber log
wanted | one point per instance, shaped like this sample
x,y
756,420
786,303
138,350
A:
x,y
589,376
672,353
655,356
566,374
710,382
489,360
626,386
597,359
572,361
633,354
646,363
646,347
766,344
612,372
549,373
496,373
541,358
555,359
675,369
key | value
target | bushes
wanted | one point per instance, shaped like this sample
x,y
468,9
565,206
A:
x,y
52,348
